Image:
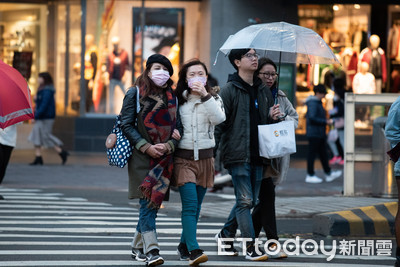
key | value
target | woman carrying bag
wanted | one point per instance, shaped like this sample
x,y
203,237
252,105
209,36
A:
x,y
200,111
264,212
152,133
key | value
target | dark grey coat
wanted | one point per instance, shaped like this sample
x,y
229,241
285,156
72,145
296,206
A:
x,y
233,135
139,163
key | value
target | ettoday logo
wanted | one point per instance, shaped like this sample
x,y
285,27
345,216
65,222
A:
x,y
293,247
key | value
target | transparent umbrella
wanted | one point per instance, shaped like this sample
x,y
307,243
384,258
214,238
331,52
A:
x,y
282,42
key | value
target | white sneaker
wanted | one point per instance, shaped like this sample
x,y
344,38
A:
x,y
313,179
276,255
333,176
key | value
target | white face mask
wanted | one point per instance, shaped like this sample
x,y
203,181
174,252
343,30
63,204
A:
x,y
159,77
201,79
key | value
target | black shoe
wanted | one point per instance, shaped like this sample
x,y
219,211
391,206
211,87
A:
x,y
153,258
197,256
64,155
37,161
228,247
183,252
252,255
137,254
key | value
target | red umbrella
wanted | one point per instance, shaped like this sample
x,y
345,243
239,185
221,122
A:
x,y
15,97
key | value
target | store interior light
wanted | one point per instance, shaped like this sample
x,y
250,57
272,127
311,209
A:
x,y
357,6
336,8
31,18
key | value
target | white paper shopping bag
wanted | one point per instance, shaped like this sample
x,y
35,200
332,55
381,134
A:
x,y
276,140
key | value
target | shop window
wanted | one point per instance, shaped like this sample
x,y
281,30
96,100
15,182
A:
x,y
113,43
68,88
163,34
345,29
23,39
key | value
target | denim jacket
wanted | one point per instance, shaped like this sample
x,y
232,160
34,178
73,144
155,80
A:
x,y
392,129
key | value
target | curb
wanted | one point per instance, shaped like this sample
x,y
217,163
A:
x,y
377,220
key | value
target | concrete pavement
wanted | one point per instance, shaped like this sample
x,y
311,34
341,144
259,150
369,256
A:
x,y
295,198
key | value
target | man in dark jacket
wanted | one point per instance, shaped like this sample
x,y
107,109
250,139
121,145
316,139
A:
x,y
248,103
316,135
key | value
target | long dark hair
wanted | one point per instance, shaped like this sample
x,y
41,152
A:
x,y
47,79
147,86
182,84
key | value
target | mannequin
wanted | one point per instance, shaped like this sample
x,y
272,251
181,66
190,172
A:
x,y
90,69
375,57
117,63
364,81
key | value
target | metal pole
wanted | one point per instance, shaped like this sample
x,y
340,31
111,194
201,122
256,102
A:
x,y
142,24
82,105
349,146
66,93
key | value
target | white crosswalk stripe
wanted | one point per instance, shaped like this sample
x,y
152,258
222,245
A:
x,y
50,229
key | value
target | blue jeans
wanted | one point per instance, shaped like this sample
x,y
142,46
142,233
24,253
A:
x,y
246,179
145,236
192,196
113,83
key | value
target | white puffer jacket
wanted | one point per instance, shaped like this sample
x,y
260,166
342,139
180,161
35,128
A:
x,y
199,120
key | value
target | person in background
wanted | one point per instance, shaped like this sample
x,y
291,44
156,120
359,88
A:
x,y
8,140
392,133
221,174
264,212
247,103
153,135
45,113
337,115
200,109
316,135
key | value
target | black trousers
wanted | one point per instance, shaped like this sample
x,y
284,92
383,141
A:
x,y
320,147
5,154
264,212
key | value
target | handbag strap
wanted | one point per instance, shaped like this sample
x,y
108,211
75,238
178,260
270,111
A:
x,y
137,103
137,99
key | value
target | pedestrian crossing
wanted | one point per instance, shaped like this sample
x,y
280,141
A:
x,y
49,229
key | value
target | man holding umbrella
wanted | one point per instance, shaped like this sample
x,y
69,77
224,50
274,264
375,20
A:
x,y
248,103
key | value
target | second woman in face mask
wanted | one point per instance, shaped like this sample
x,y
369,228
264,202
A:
x,y
152,132
200,109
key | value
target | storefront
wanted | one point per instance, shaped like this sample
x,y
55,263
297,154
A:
x,y
113,48
348,28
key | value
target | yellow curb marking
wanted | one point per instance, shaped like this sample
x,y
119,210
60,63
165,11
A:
x,y
355,223
392,208
381,224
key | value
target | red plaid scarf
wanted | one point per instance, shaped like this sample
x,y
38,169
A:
x,y
160,120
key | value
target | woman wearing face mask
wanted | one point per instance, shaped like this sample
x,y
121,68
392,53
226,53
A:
x,y
264,212
200,109
152,132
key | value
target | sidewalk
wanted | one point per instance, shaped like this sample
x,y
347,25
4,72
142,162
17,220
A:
x,y
295,198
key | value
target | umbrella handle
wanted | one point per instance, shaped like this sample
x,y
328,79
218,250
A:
x,y
216,58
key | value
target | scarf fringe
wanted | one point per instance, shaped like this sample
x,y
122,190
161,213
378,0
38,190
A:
x,y
152,204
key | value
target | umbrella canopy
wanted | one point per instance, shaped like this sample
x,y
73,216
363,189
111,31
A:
x,y
282,42
15,97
